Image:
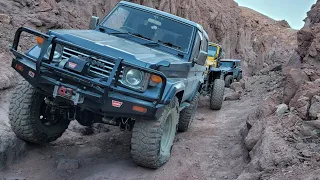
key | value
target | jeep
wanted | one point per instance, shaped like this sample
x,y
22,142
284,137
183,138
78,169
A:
x,y
231,69
215,53
139,68
214,83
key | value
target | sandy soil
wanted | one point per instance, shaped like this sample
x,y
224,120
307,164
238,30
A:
x,y
212,149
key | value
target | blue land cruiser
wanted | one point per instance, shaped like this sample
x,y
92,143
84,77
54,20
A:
x,y
139,68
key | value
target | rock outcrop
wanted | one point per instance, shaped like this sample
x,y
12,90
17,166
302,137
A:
x,y
285,146
305,99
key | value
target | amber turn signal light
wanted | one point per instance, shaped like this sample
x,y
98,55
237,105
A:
x,y
156,79
139,109
39,40
19,67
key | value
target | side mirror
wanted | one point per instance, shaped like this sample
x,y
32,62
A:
x,y
94,22
202,57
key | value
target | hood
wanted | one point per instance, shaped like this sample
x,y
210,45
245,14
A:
x,y
115,46
225,68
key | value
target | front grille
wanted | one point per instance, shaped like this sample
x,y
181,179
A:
x,y
99,68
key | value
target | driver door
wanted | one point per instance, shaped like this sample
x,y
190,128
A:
x,y
196,73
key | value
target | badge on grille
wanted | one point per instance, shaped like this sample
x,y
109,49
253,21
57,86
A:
x,y
72,65
31,74
116,103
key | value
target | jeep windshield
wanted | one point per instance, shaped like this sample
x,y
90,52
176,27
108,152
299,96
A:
x,y
156,29
226,63
212,51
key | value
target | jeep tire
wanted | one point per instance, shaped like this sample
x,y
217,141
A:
x,y
26,119
187,115
217,92
152,140
228,80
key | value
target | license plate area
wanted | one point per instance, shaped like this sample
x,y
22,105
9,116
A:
x,y
68,93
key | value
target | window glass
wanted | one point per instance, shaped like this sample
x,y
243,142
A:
x,y
212,51
144,24
196,47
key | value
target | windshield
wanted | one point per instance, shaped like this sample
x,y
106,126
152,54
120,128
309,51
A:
x,y
226,64
212,51
150,26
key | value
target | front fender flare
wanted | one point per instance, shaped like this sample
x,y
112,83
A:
x,y
172,91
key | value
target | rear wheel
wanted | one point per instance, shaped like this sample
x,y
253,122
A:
x,y
239,77
152,140
228,80
217,93
187,115
32,119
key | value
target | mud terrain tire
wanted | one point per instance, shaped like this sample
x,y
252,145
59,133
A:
x,y
217,93
228,80
24,116
187,115
152,140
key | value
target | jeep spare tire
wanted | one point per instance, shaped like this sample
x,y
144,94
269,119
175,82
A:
x,y
217,92
228,80
29,117
152,140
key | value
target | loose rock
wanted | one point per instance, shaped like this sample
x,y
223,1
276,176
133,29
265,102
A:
x,y
306,153
5,18
232,96
281,109
237,87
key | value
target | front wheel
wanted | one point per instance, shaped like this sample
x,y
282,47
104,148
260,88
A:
x,y
32,119
217,92
152,140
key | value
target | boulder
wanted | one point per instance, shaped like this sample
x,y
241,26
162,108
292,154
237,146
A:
x,y
314,109
302,106
304,98
232,96
294,79
243,83
237,87
281,109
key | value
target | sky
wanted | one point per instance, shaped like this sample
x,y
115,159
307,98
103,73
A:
x,y
293,11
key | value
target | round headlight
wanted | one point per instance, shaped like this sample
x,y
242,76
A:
x,y
57,53
133,77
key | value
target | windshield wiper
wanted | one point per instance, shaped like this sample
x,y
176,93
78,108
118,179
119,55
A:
x,y
140,36
152,43
169,44
119,33
129,33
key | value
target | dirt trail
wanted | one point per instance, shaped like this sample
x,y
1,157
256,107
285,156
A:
x,y
212,149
